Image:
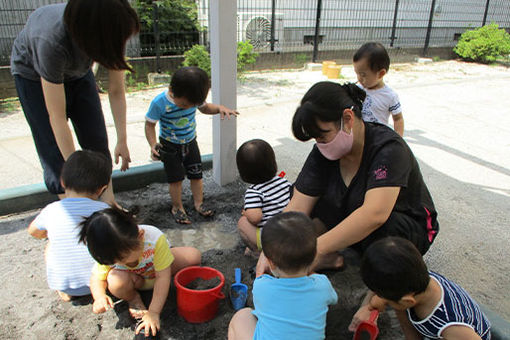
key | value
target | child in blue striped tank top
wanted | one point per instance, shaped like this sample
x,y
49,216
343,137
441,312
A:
x,y
427,304
267,195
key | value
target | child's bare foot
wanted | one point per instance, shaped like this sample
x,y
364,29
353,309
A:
x,y
65,297
252,253
136,307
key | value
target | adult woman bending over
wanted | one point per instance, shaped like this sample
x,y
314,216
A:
x,y
360,180
51,63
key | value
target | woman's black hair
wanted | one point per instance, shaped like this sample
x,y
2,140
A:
x,y
325,101
110,234
191,83
256,161
289,241
101,29
393,267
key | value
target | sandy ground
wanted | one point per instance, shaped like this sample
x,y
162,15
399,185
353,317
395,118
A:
x,y
31,311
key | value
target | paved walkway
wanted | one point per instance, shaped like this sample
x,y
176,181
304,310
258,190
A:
x,y
457,121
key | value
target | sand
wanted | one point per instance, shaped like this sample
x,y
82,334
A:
x,y
31,311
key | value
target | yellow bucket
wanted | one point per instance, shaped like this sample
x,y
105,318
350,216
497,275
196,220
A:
x,y
325,65
334,71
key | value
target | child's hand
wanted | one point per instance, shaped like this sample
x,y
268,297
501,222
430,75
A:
x,y
225,111
362,314
102,304
155,156
150,323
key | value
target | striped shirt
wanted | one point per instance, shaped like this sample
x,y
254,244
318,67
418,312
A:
x,y
176,125
455,308
68,263
271,196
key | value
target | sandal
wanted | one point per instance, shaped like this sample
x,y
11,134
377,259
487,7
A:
x,y
205,212
180,217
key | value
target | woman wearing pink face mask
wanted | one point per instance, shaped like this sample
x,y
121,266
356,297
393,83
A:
x,y
361,182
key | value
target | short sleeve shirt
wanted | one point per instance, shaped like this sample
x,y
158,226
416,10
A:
x,y
45,49
379,104
156,256
68,262
176,125
387,161
292,308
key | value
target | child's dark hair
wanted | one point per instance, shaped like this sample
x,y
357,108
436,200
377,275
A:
x,y
325,101
377,56
110,234
289,241
191,83
393,267
256,161
101,29
86,171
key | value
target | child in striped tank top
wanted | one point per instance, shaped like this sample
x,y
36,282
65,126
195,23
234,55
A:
x,y
267,195
426,303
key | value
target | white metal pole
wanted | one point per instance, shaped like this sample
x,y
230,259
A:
x,y
223,30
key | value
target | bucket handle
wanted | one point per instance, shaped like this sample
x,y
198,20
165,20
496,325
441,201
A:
x,y
218,295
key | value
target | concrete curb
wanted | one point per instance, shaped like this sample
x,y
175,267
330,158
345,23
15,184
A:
x,y
35,196
500,328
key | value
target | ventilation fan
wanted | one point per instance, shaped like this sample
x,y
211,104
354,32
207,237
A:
x,y
258,31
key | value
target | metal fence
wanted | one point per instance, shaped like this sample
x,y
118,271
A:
x,y
293,25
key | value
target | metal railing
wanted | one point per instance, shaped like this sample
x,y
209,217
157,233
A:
x,y
299,26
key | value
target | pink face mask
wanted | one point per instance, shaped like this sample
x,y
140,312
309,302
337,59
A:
x,y
340,146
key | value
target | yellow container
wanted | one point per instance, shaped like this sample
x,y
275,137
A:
x,y
334,71
325,65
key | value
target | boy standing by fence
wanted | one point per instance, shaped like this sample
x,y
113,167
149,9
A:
x,y
371,63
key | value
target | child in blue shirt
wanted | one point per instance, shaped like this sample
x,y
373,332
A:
x,y
85,176
291,304
427,304
175,110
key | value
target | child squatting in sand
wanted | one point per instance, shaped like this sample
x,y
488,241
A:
x,y
267,195
426,303
178,149
132,257
85,176
291,304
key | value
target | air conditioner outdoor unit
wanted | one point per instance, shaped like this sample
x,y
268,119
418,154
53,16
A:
x,y
256,27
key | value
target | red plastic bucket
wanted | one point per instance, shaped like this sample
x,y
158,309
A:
x,y
198,306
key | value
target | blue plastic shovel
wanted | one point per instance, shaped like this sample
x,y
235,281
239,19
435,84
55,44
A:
x,y
238,291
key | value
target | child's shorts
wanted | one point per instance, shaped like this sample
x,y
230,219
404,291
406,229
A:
x,y
148,284
181,159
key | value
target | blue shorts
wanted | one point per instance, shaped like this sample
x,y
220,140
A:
x,y
83,109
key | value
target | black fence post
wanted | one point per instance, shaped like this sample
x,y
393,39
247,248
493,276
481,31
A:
x,y
394,28
155,17
317,31
429,28
485,13
273,21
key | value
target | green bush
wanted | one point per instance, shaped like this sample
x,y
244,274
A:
x,y
484,44
198,56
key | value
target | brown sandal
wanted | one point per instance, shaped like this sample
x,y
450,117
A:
x,y
205,212
180,217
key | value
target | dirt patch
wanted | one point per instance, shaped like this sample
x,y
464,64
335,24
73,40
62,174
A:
x,y
30,310
203,284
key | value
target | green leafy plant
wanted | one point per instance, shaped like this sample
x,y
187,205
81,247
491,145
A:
x,y
301,58
199,56
245,56
484,44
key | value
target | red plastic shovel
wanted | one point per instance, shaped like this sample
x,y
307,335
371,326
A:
x,y
367,330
